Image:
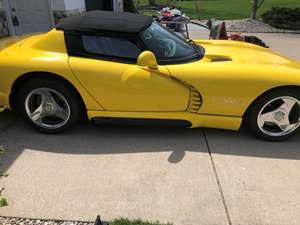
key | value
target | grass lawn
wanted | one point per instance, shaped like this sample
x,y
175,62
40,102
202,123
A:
x,y
226,9
134,222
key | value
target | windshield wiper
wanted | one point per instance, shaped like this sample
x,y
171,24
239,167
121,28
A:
x,y
193,43
198,48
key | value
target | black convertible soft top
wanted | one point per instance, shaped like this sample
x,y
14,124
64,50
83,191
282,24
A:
x,y
94,21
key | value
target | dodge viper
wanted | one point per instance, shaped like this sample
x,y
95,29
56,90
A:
x,y
122,66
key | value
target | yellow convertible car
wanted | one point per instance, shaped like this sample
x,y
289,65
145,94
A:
x,y
122,66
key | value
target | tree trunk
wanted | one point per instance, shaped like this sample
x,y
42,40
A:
x,y
254,9
256,4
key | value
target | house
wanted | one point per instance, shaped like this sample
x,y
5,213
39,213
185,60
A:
x,y
29,16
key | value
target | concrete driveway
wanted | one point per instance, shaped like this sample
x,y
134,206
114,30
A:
x,y
184,176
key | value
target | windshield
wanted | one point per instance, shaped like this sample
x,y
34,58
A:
x,y
168,46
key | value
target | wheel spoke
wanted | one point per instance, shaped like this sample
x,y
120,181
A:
x,y
37,115
47,97
285,127
288,104
266,117
61,113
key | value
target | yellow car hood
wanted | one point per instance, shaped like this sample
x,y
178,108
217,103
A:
x,y
241,52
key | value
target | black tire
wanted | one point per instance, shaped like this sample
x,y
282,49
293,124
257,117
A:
x,y
252,114
75,105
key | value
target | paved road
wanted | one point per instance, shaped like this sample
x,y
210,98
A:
x,y
185,176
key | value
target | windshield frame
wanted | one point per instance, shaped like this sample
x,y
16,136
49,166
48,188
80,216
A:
x,y
198,50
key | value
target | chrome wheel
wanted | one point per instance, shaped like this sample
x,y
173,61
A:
x,y
47,108
280,116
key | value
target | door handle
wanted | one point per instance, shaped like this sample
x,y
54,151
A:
x,y
15,21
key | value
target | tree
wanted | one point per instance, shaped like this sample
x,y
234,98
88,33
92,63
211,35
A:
x,y
152,2
129,6
256,4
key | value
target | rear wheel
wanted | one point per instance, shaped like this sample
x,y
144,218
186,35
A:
x,y
48,105
275,116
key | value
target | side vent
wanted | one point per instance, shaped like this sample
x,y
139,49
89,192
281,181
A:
x,y
195,101
220,59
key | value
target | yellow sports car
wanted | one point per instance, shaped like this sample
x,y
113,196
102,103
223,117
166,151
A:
x,y
122,66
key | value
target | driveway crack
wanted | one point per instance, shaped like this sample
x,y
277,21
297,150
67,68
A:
x,y
217,179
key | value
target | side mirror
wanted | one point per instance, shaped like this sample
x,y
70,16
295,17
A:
x,y
147,59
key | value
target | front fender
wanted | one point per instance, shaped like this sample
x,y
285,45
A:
x,y
228,88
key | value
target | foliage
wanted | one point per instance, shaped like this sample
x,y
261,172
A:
x,y
3,202
152,2
129,6
283,18
124,221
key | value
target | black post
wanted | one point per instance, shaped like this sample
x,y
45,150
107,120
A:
x,y
98,221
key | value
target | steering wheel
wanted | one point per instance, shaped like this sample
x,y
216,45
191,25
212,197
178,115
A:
x,y
170,48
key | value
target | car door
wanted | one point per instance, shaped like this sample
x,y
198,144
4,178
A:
x,y
106,67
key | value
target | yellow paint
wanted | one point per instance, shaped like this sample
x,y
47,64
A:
x,y
113,89
127,87
42,53
228,88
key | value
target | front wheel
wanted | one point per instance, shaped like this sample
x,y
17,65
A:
x,y
275,116
48,105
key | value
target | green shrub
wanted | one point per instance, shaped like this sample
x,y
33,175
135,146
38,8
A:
x,y
283,18
129,6
123,221
3,202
